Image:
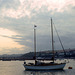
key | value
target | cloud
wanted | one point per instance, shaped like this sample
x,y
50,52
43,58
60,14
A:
x,y
20,16
7,41
31,7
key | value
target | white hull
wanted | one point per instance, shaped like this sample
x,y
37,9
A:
x,y
49,67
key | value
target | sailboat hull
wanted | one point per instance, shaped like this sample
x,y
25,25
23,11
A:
x,y
48,67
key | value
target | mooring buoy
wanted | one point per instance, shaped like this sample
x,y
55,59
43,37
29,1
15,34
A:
x,y
69,67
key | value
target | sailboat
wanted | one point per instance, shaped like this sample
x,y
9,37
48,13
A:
x,y
38,65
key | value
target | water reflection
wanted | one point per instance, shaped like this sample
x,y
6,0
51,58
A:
x,y
56,72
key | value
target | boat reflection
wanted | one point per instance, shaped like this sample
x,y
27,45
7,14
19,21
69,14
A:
x,y
53,72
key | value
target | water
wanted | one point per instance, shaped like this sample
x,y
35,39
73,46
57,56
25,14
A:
x,y
16,68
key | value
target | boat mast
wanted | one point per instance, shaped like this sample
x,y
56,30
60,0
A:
x,y
52,40
35,43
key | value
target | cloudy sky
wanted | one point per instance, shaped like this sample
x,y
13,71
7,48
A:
x,y
18,17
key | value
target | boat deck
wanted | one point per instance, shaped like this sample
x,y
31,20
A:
x,y
43,64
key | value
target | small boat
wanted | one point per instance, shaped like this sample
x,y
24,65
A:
x,y
45,66
38,65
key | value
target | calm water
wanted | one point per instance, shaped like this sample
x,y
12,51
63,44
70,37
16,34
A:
x,y
16,68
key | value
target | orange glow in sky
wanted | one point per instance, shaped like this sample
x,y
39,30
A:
x,y
6,42
6,32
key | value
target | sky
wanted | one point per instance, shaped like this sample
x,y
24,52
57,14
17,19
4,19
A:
x,y
17,20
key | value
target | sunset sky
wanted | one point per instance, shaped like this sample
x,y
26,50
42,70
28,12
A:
x,y
18,17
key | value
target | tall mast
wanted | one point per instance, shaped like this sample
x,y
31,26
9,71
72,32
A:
x,y
35,42
52,40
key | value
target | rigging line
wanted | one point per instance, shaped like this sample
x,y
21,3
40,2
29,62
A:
x,y
60,40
